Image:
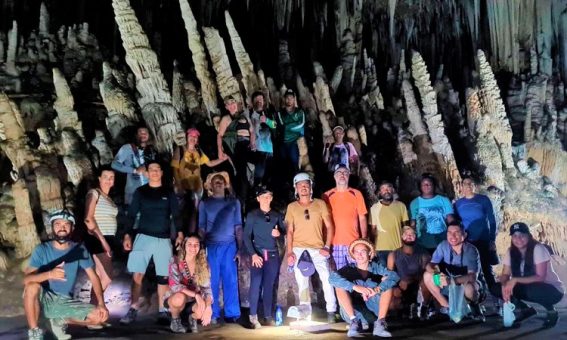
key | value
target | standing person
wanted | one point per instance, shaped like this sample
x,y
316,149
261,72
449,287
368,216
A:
x,y
430,214
348,211
455,258
190,284
477,215
340,152
236,138
409,262
371,282
528,275
291,126
263,227
131,159
100,219
263,125
157,206
387,217
305,219
186,163
49,280
220,225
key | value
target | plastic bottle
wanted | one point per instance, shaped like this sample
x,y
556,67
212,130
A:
x,y
279,316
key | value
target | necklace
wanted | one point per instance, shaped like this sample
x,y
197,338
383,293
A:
x,y
186,273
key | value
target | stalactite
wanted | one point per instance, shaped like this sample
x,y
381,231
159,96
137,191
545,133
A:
x,y
28,237
284,62
249,78
154,99
104,151
227,84
535,98
43,20
337,78
321,92
177,98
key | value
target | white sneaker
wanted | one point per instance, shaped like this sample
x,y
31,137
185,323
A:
x,y
59,329
380,329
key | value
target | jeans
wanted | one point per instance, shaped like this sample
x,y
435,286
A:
x,y
223,267
539,292
260,175
361,310
485,254
263,280
289,153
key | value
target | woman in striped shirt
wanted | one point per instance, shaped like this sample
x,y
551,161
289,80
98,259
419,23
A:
x,y
100,219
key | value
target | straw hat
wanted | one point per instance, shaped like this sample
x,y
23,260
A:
x,y
361,241
210,177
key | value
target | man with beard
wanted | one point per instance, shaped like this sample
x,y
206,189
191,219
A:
x,y
387,217
349,215
131,160
49,280
409,262
291,125
263,125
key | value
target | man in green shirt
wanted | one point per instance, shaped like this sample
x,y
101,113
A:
x,y
290,125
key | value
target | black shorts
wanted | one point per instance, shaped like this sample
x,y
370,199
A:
x,y
95,247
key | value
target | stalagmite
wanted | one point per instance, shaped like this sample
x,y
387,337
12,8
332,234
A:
x,y
322,95
417,126
177,96
304,97
12,50
327,131
192,97
535,99
43,20
249,78
154,99
208,86
434,122
104,151
77,164
227,84
304,163
337,78
28,237
67,117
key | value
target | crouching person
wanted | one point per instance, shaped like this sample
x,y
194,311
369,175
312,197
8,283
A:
x,y
190,283
49,281
460,260
364,286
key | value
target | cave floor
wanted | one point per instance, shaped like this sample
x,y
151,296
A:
x,y
146,328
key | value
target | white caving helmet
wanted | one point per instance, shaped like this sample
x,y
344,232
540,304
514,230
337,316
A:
x,y
300,177
63,214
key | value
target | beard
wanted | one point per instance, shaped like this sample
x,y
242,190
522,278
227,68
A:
x,y
387,197
409,243
62,239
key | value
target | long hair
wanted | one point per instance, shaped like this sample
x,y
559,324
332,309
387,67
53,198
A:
x,y
202,272
516,259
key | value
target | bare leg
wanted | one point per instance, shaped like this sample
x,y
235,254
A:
x,y
345,302
31,303
385,299
396,301
176,304
103,268
434,290
161,290
471,292
425,293
92,319
196,315
137,279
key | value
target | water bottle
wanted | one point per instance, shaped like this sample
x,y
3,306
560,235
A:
x,y
279,316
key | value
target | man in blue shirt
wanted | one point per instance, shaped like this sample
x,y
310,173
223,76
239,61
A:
x,y
50,277
457,259
220,225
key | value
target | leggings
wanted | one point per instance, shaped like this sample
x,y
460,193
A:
x,y
538,292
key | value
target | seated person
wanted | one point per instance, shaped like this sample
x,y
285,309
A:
x,y
49,280
528,275
190,285
409,262
364,286
460,260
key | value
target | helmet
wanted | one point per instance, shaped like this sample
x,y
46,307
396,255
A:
x,y
302,176
63,214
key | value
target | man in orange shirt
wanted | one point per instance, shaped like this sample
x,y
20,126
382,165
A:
x,y
349,216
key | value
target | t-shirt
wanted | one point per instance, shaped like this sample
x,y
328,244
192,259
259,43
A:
x,y
430,214
345,208
258,230
263,132
187,170
477,215
105,213
339,154
410,266
388,220
218,218
467,261
292,124
541,254
46,257
307,222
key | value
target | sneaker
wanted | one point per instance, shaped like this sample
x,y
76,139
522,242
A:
x,y
129,317
163,318
525,313
380,329
365,325
353,328
444,310
331,317
214,321
477,312
193,324
423,312
551,319
95,327
254,321
35,334
413,311
176,326
268,322
59,329
231,319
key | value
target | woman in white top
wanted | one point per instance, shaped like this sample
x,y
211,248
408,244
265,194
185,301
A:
x,y
528,275
100,219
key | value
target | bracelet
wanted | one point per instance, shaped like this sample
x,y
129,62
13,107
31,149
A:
x,y
437,280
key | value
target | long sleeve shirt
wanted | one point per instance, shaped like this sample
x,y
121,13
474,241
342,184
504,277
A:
x,y
349,276
127,160
157,207
263,132
258,231
219,218
291,124
478,218
180,279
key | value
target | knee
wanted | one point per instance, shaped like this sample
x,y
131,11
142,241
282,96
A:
x,y
176,300
138,278
32,289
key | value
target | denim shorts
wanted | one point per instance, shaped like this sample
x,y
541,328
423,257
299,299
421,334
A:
x,y
147,247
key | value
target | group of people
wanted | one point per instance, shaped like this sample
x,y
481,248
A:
x,y
370,261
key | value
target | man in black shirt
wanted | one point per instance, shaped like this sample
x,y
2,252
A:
x,y
157,206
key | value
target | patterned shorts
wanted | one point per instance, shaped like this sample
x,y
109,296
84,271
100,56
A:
x,y
341,257
57,306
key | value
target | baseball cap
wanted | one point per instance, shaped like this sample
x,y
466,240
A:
x,y
289,92
341,166
262,189
305,264
519,227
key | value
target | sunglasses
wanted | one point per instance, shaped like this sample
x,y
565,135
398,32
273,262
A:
x,y
306,214
267,217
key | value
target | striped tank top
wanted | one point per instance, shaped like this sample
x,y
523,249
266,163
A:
x,y
105,213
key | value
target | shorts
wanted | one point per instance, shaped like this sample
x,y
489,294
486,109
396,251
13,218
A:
x,y
58,306
147,247
95,247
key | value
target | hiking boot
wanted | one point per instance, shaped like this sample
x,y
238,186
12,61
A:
x,y
331,317
163,318
176,326
551,319
193,324
380,329
35,334
129,317
269,322
353,329
59,329
526,313
477,312
254,321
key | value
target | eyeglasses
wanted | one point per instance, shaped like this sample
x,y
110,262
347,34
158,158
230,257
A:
x,y
267,217
306,214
